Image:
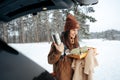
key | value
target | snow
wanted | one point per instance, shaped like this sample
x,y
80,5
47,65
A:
x,y
108,56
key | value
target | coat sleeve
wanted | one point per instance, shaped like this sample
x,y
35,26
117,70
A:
x,y
53,55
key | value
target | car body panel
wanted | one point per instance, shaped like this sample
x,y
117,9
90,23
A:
x,y
16,66
11,9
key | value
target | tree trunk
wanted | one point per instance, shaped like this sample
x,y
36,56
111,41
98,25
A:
x,y
22,32
5,33
36,28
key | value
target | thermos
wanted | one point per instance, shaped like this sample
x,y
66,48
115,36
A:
x,y
56,38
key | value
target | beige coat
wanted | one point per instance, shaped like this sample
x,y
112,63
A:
x,y
84,68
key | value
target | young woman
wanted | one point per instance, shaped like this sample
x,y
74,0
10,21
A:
x,y
57,55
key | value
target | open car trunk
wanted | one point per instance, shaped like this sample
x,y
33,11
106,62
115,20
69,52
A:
x,y
11,9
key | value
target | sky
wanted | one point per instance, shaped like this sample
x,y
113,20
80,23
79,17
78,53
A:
x,y
107,14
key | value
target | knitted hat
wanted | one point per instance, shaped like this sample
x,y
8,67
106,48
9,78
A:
x,y
71,23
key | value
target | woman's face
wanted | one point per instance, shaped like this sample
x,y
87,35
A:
x,y
73,33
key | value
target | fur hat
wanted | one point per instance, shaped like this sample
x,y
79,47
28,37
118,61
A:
x,y
71,23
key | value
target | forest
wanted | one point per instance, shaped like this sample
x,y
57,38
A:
x,y
108,34
37,27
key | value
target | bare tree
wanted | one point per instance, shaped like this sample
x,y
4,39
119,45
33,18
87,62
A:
x,y
22,35
5,33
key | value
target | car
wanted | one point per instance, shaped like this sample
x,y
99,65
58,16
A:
x,y
13,64
16,66
10,9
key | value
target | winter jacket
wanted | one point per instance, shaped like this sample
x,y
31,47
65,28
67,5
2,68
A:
x,y
84,68
61,65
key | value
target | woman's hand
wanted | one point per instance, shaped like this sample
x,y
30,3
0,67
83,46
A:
x,y
60,47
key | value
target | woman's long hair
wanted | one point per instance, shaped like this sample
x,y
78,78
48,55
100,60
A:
x,y
66,40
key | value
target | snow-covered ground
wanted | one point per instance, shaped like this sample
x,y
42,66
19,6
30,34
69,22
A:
x,y
108,58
